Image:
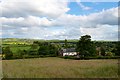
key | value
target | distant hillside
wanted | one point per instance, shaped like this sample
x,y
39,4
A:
x,y
30,41
16,40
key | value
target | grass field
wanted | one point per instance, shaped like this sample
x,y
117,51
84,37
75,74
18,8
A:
x,y
0,68
14,48
53,67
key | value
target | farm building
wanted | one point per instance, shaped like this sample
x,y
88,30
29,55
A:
x,y
68,52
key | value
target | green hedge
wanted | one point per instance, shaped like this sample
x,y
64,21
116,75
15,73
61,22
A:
x,y
87,58
104,57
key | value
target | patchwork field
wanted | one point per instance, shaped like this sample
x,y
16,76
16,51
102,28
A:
x,y
53,67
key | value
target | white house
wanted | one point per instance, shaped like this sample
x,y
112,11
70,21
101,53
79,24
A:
x,y
68,52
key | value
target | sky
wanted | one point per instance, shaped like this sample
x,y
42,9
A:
x,y
56,19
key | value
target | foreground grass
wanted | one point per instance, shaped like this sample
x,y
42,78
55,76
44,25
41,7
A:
x,y
0,68
59,68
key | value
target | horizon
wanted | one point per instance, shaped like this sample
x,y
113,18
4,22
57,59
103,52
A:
x,y
56,39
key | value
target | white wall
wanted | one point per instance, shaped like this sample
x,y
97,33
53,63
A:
x,y
69,54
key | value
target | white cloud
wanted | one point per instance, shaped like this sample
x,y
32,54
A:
x,y
26,22
83,6
34,19
102,32
0,34
109,17
21,8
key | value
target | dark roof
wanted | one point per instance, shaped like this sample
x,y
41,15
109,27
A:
x,y
69,50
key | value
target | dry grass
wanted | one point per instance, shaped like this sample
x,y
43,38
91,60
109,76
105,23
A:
x,y
59,68
0,68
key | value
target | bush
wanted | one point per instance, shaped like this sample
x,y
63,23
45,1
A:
x,y
30,56
87,58
9,56
109,54
69,57
17,57
104,57
7,52
42,56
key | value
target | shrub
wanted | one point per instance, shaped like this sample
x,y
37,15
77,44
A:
x,y
109,54
7,52
30,56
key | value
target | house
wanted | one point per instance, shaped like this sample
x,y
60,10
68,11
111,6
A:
x,y
98,49
68,52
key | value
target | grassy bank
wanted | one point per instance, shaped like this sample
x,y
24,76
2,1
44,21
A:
x,y
60,68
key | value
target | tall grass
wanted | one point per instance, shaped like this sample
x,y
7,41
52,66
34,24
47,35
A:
x,y
1,68
59,68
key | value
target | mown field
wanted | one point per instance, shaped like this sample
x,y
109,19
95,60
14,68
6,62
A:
x,y
53,67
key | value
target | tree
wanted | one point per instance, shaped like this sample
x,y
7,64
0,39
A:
x,y
34,49
103,51
86,47
50,49
66,44
18,55
109,54
116,49
8,53
53,49
43,50
34,46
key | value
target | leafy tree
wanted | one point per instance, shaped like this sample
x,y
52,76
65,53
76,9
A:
x,y
35,42
46,48
66,44
43,50
34,46
109,54
34,49
116,49
32,52
18,55
53,50
8,53
103,51
23,52
86,47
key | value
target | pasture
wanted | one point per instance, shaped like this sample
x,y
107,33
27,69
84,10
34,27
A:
x,y
53,67
15,47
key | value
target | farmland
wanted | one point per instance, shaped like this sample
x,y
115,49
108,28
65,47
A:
x,y
53,67
59,39
44,60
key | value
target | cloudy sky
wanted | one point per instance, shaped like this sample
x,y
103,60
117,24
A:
x,y
56,19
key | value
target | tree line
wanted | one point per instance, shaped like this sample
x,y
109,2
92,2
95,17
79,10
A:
x,y
84,47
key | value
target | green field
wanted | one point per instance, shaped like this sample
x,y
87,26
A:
x,y
53,67
15,48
